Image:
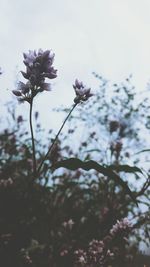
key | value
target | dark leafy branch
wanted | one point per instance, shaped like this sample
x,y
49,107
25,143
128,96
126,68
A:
x,y
75,163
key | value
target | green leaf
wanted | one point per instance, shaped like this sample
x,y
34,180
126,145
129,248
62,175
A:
x,y
144,150
75,163
92,150
125,168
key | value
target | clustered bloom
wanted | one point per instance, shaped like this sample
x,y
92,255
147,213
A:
x,y
102,252
97,254
39,65
96,250
82,92
81,256
121,226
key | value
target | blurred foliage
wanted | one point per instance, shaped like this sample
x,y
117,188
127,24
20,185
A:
x,y
45,220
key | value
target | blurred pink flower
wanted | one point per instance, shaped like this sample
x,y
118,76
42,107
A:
x,y
123,225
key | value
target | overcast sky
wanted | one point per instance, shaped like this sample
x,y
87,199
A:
x,y
111,37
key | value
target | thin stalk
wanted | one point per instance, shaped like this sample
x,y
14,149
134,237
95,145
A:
x,y
51,146
32,138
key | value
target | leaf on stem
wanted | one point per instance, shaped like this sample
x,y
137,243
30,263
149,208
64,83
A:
x,y
75,163
125,168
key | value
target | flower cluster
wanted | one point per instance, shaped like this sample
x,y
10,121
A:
x,y
102,252
82,92
39,65
121,226
96,250
96,255
81,257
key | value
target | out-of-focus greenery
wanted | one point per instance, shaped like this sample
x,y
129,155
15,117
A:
x,y
44,221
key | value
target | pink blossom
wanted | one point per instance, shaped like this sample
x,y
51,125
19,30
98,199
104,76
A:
x,y
123,225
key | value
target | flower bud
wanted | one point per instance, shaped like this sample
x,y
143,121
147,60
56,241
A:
x,y
16,93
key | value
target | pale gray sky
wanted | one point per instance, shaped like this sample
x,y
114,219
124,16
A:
x,y
111,37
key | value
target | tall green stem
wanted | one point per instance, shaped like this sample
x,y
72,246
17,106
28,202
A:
x,y
51,146
32,138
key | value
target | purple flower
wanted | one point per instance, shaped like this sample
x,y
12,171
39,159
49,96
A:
x,y
23,92
46,87
29,58
39,65
16,93
82,92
